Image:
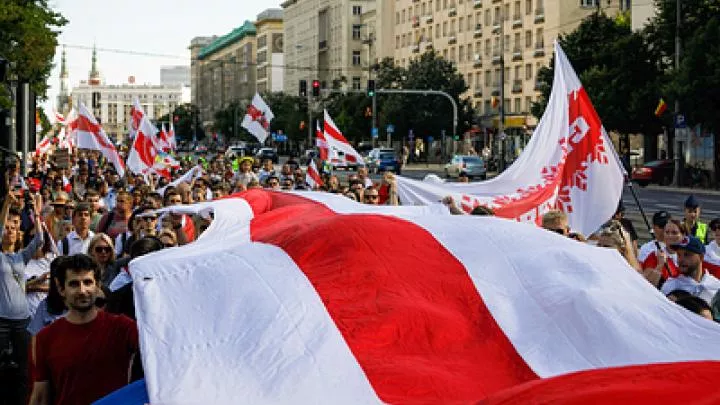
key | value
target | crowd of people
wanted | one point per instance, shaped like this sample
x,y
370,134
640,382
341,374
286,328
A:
x,y
67,330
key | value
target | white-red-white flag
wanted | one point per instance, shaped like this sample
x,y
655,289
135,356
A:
x,y
141,157
136,115
172,140
321,143
257,118
569,164
44,146
336,141
59,118
90,135
320,300
312,176
163,139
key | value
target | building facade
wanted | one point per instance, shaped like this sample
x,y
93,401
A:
x,y
480,36
175,75
196,45
326,40
115,102
270,55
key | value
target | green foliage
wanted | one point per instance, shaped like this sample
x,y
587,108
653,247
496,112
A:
x,y
184,127
28,38
619,71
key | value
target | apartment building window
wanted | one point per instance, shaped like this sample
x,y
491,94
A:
x,y
430,7
469,23
488,78
437,5
540,41
517,72
461,23
437,30
397,41
357,10
478,48
397,18
356,31
507,43
487,17
528,71
496,20
461,53
589,3
518,107
478,77
469,80
516,42
445,3
445,54
424,9
506,10
452,27
516,14
429,37
355,58
452,54
528,103
528,7
625,5
528,39
488,107
403,16
488,48
356,85
445,29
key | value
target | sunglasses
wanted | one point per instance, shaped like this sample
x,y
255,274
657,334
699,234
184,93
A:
x,y
103,249
149,218
371,197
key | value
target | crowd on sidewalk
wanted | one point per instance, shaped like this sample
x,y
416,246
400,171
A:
x,y
67,329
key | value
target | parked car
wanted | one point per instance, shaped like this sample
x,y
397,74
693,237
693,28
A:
x,y
470,165
237,151
656,171
268,153
339,162
382,159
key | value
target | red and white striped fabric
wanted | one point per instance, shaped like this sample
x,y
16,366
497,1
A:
x,y
312,176
294,298
90,135
337,142
141,157
59,118
44,146
172,140
321,143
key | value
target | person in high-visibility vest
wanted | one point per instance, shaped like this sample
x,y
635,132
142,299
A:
x,y
692,219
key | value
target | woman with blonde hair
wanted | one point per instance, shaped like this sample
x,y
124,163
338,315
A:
x,y
102,250
613,235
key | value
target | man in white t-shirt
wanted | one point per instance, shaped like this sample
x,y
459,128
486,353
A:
x,y
694,278
78,240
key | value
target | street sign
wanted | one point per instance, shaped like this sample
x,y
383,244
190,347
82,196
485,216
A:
x,y
680,121
390,128
430,139
374,132
681,134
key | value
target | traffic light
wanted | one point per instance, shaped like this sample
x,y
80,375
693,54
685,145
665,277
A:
x,y
303,88
96,99
316,88
371,88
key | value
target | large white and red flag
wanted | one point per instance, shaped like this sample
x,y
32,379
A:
x,y
257,118
44,146
142,154
136,115
312,176
569,164
59,118
90,135
172,140
306,309
336,142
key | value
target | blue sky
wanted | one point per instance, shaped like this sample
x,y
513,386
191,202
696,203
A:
x,y
150,26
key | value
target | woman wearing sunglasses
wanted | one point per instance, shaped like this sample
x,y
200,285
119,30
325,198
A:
x,y
102,250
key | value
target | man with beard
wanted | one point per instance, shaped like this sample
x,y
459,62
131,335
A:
x,y
693,278
87,354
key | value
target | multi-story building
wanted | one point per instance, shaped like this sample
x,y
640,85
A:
x,y
326,40
474,34
196,45
175,75
113,110
270,57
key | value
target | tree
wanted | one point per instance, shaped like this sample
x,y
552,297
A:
x,y
697,81
183,120
619,71
28,38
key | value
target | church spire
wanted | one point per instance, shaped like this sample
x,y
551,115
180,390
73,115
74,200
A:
x,y
63,65
94,78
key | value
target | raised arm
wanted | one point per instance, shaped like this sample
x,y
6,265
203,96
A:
x,y
38,239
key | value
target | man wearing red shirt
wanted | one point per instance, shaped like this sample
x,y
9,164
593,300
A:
x,y
87,354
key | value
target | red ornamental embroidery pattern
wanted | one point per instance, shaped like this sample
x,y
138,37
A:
x,y
257,115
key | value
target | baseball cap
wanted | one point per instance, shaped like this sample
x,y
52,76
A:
x,y
691,244
692,202
661,218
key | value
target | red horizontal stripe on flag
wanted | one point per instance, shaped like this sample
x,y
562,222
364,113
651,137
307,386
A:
x,y
406,306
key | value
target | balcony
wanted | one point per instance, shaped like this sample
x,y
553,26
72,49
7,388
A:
x,y
427,19
427,45
539,15
539,50
517,54
478,92
517,21
496,90
496,27
415,48
477,4
323,45
496,56
452,12
415,22
452,39
478,31
517,86
477,61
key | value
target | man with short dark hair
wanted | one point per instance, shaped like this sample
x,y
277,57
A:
x,y
692,219
693,278
85,355
78,240
659,220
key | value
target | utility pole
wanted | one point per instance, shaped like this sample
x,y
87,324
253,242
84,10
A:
x,y
678,155
501,124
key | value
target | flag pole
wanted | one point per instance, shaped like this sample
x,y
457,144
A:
x,y
647,223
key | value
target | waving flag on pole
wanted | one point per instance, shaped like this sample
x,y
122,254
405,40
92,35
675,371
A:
x,y
569,164
257,118
59,118
172,141
141,157
321,143
90,135
44,146
163,139
136,115
299,316
312,176
337,143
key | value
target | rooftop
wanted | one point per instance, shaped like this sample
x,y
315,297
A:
x,y
270,14
235,35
